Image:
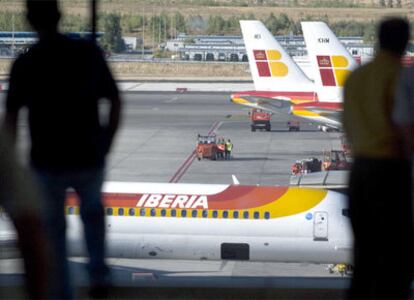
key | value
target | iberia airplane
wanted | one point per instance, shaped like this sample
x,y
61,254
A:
x,y
218,222
214,222
282,87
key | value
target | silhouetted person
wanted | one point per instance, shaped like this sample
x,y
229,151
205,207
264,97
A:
x,y
403,114
380,180
61,82
20,197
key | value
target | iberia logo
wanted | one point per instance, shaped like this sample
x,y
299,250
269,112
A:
x,y
333,69
268,63
173,201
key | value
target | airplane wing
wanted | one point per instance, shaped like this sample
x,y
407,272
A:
x,y
319,115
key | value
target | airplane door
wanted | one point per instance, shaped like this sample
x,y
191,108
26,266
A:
x,y
320,226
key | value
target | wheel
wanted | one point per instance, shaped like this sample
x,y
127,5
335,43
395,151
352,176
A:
x,y
253,128
268,127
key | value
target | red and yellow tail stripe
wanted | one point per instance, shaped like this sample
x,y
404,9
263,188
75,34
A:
x,y
235,202
269,64
333,69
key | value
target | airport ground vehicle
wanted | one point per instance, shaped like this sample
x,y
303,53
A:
x,y
307,165
260,119
335,160
234,57
293,125
207,147
209,57
222,57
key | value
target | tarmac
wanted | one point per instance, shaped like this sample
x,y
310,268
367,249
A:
x,y
156,139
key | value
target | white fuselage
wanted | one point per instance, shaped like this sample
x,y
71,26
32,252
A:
x,y
320,235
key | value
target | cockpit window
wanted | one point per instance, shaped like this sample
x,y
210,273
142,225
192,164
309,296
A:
x,y
345,212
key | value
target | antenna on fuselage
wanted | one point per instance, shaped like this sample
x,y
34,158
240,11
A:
x,y
235,180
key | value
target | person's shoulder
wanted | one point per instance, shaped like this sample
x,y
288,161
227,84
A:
x,y
24,58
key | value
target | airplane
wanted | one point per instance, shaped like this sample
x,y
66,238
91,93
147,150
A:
x,y
280,85
217,222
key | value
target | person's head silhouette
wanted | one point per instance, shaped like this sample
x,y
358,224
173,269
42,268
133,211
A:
x,y
43,15
393,35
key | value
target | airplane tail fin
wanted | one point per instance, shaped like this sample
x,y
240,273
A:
x,y
271,67
330,60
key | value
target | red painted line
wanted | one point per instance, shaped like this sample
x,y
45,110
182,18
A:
x,y
187,163
181,170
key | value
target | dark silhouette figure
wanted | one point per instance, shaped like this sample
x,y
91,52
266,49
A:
x,y
380,181
20,198
62,83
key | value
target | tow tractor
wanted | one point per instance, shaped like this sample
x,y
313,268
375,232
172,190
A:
x,y
207,147
293,125
260,119
307,165
335,160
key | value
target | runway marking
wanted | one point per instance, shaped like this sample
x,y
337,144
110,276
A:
x,y
187,163
131,88
175,98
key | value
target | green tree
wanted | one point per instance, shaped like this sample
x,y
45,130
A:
x,y
382,3
112,38
284,22
390,3
272,23
179,22
215,25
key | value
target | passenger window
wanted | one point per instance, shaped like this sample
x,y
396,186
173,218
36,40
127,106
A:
x,y
109,211
131,212
194,214
173,213
142,212
225,214
235,214
246,214
256,215
163,212
267,215
121,211
153,212
184,213
71,210
205,213
215,214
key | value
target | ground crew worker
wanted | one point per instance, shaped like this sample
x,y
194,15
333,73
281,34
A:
x,y
221,146
229,148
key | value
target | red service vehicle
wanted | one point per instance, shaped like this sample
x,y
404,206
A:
x,y
293,125
307,165
206,147
335,160
260,119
